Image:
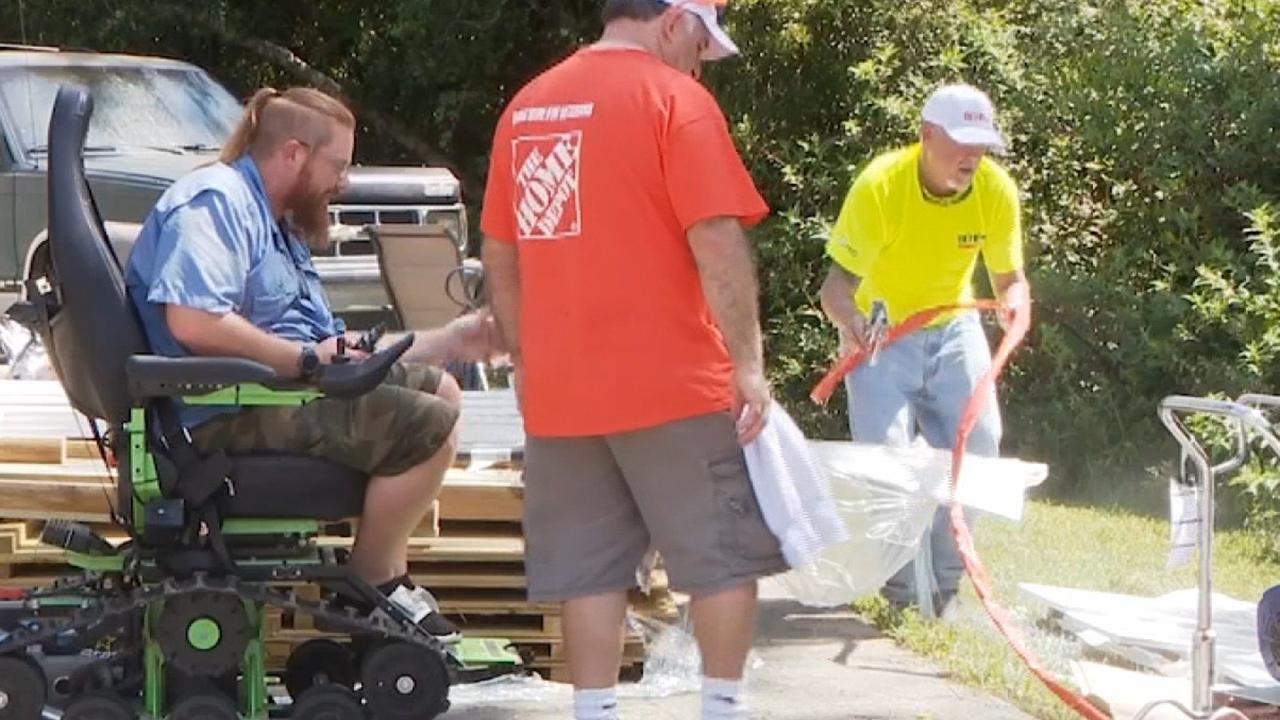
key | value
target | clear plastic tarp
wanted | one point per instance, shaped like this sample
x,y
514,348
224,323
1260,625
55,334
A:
x,y
887,498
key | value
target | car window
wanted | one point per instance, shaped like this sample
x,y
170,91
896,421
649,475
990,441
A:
x,y
134,107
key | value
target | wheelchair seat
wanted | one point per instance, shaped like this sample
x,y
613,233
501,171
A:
x,y
279,485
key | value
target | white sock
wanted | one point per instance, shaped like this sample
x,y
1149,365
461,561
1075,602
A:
x,y
599,704
722,699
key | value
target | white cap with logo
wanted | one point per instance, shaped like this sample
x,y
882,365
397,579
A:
x,y
722,46
966,114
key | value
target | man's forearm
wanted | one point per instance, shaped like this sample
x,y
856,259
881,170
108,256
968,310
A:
x,y
230,335
502,279
430,347
729,282
836,297
1014,293
1003,283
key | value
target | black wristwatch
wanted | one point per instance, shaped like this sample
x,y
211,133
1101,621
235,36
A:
x,y
309,362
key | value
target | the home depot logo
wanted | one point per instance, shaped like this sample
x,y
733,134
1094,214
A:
x,y
547,170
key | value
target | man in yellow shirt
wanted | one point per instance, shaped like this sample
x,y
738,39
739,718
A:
x,y
909,235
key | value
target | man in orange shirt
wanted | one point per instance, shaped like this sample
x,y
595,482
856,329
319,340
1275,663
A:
x,y
622,280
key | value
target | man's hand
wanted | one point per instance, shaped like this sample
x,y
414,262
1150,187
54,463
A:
x,y
855,334
473,337
1015,296
751,402
329,348
838,305
353,339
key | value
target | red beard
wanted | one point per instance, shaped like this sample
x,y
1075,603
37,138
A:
x,y
310,216
309,213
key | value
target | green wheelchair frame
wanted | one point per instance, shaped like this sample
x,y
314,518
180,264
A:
x,y
470,659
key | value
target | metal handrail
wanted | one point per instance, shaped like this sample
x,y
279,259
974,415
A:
x,y
1247,417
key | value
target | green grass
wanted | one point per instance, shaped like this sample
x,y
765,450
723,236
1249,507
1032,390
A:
x,y
1088,548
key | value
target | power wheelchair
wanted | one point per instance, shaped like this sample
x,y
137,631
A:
x,y
172,623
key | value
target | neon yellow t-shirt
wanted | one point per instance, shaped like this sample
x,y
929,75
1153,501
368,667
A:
x,y
915,252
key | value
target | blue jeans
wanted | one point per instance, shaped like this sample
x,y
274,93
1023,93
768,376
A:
x,y
921,385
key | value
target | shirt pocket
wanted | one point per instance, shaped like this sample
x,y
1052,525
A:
x,y
272,288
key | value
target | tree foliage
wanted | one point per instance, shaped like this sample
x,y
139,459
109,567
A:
x,y
1144,139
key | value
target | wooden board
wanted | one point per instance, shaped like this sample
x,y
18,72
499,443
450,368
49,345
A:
x,y
429,526
31,449
487,575
428,574
491,602
20,542
88,502
84,490
491,421
519,617
46,450
487,496
453,549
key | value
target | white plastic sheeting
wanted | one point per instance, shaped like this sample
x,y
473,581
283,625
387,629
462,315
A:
x,y
1155,632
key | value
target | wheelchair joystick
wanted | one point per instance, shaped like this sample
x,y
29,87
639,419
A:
x,y
341,357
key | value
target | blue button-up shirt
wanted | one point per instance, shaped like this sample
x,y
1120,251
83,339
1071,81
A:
x,y
212,243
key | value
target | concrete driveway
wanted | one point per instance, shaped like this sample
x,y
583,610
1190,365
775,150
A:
x,y
810,665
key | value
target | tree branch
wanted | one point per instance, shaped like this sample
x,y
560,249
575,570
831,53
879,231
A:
x,y
380,123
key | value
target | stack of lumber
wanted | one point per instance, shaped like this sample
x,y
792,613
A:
x,y
469,551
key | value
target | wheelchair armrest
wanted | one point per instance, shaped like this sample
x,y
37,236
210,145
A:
x,y
158,376
352,379
153,376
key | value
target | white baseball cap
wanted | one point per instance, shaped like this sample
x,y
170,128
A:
x,y
966,114
711,12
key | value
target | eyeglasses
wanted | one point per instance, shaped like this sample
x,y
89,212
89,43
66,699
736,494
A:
x,y
340,165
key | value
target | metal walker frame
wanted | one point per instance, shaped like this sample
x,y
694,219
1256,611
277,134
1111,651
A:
x,y
1247,413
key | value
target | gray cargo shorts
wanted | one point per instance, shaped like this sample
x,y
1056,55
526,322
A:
x,y
594,506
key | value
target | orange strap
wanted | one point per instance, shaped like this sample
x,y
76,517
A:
x,y
1017,330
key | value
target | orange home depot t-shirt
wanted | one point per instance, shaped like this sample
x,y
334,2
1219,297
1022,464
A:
x,y
599,166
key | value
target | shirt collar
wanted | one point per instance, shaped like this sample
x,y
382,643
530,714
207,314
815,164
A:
x,y
248,169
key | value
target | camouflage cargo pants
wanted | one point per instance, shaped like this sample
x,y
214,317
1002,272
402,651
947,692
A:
x,y
394,427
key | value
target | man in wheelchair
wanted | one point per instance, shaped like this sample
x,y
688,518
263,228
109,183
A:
x,y
239,415
222,267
